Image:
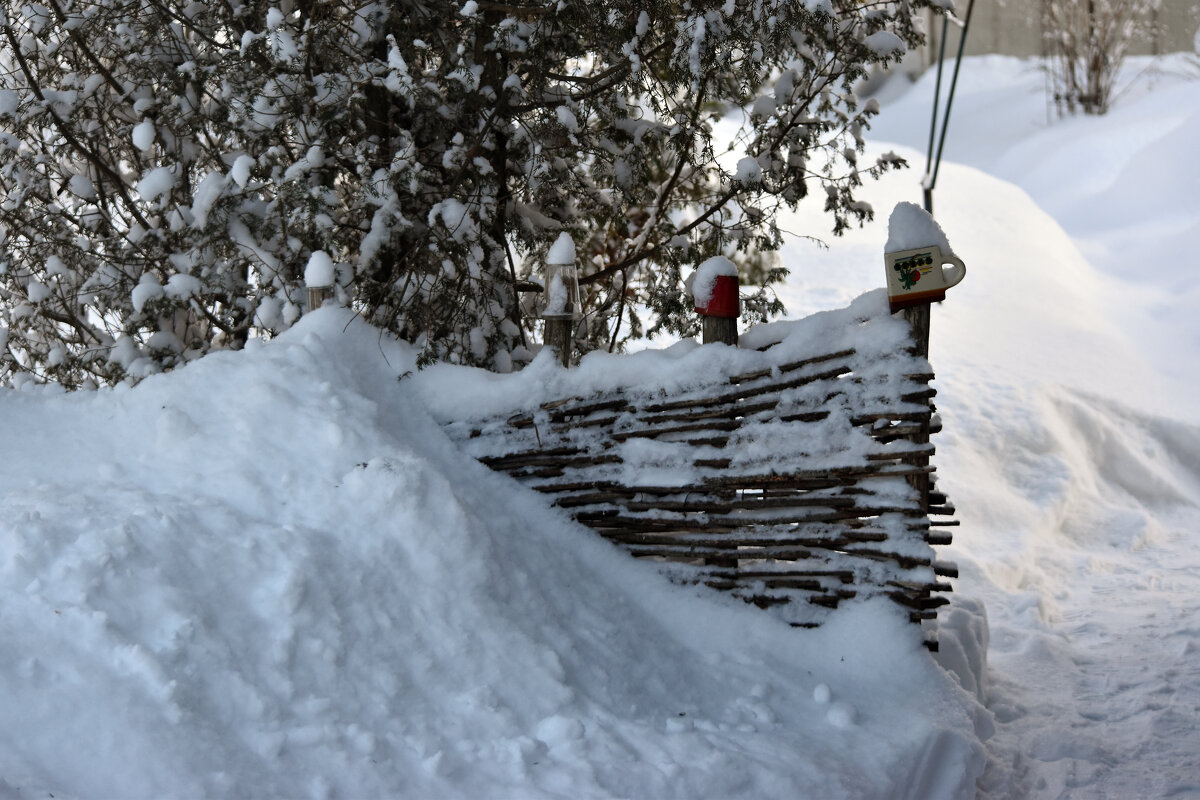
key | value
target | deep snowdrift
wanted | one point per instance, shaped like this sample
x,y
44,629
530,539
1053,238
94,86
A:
x,y
1068,380
271,574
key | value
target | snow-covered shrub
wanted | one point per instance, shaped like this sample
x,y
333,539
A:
x,y
167,170
1086,43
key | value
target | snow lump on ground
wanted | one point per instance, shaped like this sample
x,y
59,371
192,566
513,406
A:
x,y
270,574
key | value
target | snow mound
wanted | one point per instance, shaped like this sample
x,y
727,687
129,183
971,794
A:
x,y
296,586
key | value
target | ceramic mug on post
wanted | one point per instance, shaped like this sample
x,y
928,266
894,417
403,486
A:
x,y
920,276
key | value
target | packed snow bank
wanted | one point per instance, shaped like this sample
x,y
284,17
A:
x,y
271,574
1079,517
1067,377
1122,186
1032,309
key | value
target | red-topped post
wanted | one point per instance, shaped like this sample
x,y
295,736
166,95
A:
x,y
714,287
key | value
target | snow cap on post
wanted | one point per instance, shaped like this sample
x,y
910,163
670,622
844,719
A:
x,y
320,271
319,278
714,288
911,226
562,251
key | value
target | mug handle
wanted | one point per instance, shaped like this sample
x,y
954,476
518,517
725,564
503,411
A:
x,y
955,277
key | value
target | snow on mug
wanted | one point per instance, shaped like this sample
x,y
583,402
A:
x,y
920,276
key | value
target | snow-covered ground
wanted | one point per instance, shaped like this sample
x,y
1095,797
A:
x,y
269,574
1069,377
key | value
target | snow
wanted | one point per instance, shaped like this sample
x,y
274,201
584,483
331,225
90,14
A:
x,y
297,586
270,573
55,266
10,101
764,106
456,217
1067,377
562,251
643,24
885,43
157,182
567,119
181,287
911,227
315,156
320,270
148,288
143,135
748,170
240,171
36,291
207,192
269,313
82,186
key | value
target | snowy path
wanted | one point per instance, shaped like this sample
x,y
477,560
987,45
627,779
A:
x,y
1072,443
1104,700
1079,526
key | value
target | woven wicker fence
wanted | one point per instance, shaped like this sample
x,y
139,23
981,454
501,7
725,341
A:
x,y
793,485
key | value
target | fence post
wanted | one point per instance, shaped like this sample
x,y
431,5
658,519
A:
x,y
720,329
319,276
720,315
560,335
918,318
720,324
917,275
317,295
562,302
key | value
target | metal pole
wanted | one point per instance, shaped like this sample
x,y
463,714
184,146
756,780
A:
x,y
937,96
962,43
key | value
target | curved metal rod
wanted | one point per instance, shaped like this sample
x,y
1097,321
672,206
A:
x,y
930,180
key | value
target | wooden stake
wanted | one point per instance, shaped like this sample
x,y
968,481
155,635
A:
x,y
918,318
721,312
317,295
725,331
560,335
721,329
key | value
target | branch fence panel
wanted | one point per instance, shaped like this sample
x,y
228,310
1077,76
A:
x,y
790,486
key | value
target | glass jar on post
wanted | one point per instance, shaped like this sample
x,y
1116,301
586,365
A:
x,y
562,307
